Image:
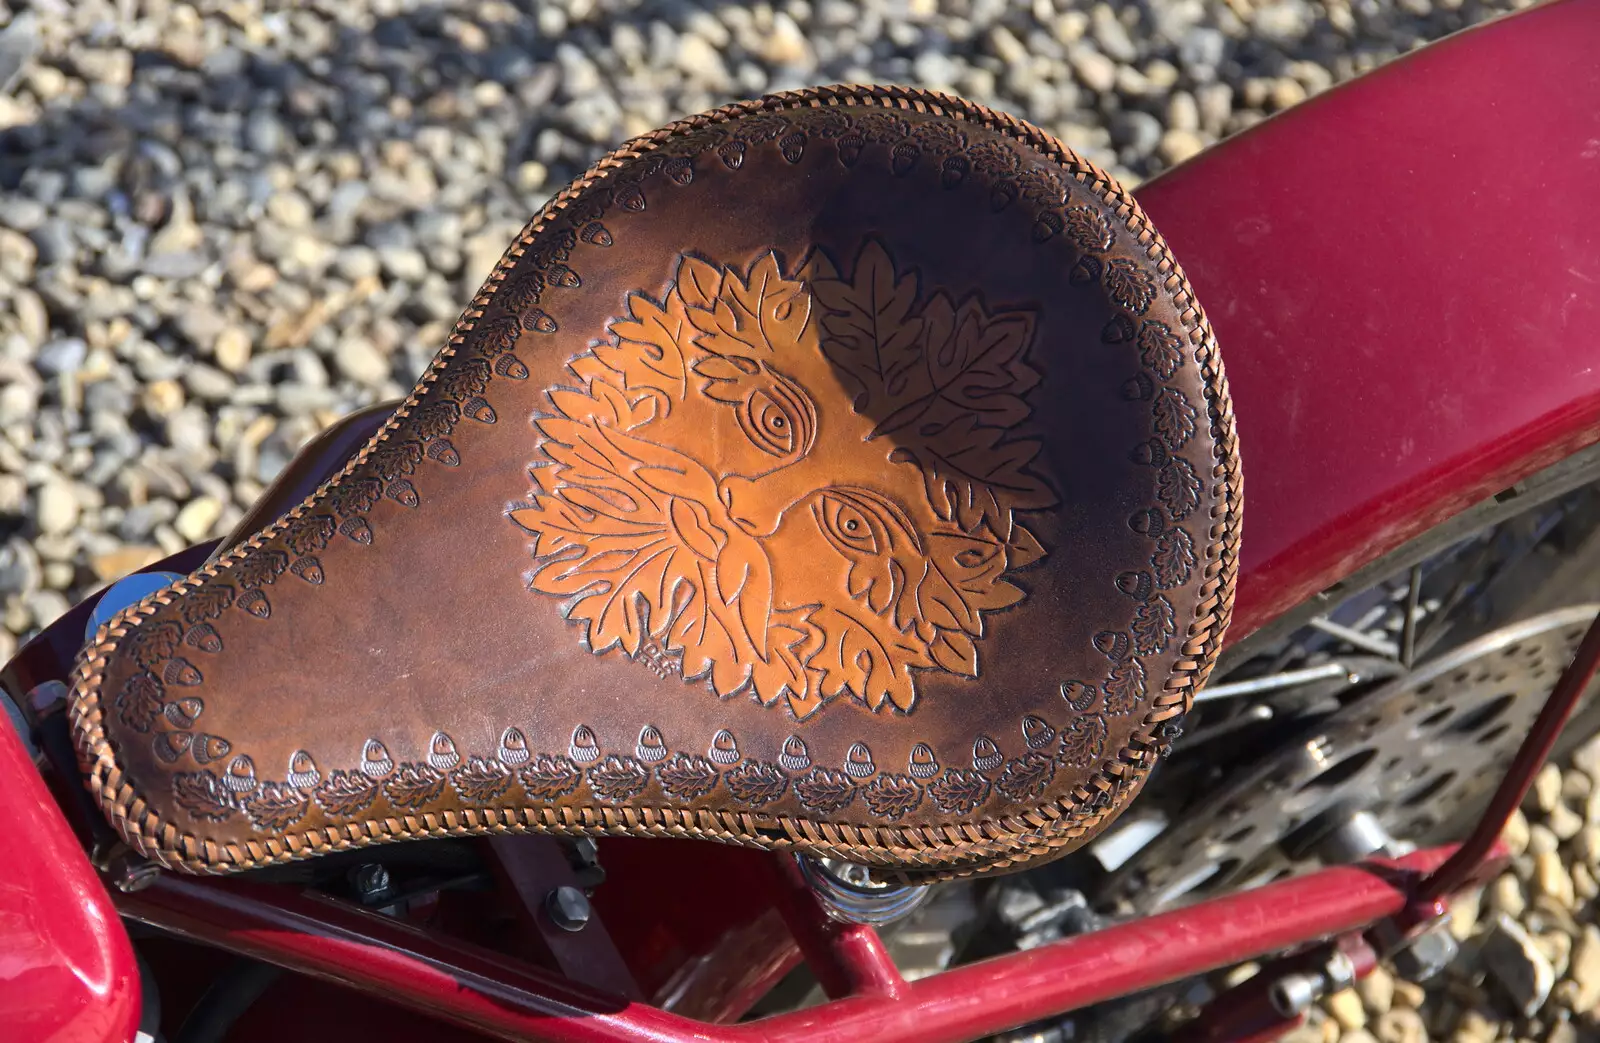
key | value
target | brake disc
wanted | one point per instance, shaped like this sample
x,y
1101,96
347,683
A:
x,y
1419,754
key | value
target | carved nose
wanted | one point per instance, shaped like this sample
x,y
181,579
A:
x,y
743,501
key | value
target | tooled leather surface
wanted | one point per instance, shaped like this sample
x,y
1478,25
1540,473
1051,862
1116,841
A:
x,y
851,470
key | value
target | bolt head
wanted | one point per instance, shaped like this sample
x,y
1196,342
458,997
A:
x,y
568,908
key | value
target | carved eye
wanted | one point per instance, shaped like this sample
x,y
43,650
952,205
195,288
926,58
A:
x,y
848,525
769,424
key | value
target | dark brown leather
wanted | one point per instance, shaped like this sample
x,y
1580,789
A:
x,y
850,471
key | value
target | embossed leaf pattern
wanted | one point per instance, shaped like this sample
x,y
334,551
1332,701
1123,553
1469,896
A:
x,y
1173,559
550,777
481,780
1083,741
206,602
414,785
309,533
1125,687
261,567
892,796
1088,229
1026,777
944,383
959,791
823,791
633,529
343,793
396,457
138,701
154,642
1130,285
1153,625
1160,348
1174,418
1178,488
202,795
276,806
756,783
687,777
616,779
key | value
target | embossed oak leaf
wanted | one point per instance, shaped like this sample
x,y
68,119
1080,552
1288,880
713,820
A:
x,y
944,383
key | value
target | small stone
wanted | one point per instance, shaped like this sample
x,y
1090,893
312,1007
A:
x,y
1542,840
1522,970
232,349
1550,878
123,561
1400,1025
62,355
1464,911
404,263
1409,994
786,45
1137,132
1376,990
1515,835
1215,101
699,60
1345,1007
1358,1036
1557,948
194,522
1095,70
289,209
1584,885
1179,145
1583,970
1564,822
1286,93
1575,787
1547,788
1474,1027
56,508
358,360
1505,896
1586,758
163,398
18,255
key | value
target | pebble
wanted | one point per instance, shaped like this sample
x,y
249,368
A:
x,y
123,561
1583,972
1564,822
1515,961
1376,991
1547,788
1516,835
1505,896
232,349
1179,145
61,355
358,360
1346,1008
195,521
1551,879
56,510
1401,1025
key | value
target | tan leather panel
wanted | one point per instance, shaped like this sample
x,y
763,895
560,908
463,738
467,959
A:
x,y
851,470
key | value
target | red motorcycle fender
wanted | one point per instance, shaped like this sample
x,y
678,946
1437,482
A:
x,y
1404,277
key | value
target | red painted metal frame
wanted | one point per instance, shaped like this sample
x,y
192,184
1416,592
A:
x,y
1353,255
381,956
1404,276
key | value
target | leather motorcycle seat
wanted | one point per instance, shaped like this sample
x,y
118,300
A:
x,y
850,471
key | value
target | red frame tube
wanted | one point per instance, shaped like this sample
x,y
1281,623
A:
x,y
375,954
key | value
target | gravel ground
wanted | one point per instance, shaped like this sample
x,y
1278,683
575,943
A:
x,y
225,223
